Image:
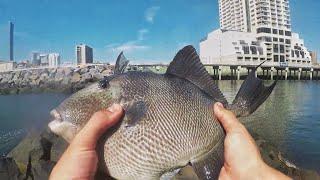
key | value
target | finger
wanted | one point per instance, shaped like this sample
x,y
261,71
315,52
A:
x,y
99,123
223,174
226,118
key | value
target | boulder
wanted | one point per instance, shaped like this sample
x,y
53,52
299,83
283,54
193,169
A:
x,y
67,71
75,78
84,70
9,169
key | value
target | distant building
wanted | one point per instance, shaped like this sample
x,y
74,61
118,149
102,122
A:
x,y
6,66
84,54
54,59
268,22
224,47
35,58
44,59
23,64
314,57
11,29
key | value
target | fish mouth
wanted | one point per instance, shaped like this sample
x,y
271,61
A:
x,y
56,116
62,128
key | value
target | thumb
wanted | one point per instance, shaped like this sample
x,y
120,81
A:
x,y
227,119
99,123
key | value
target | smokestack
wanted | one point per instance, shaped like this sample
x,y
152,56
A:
x,y
11,29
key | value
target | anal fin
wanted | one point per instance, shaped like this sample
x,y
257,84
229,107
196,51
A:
x,y
209,166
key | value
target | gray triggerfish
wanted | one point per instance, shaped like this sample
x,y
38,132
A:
x,y
169,121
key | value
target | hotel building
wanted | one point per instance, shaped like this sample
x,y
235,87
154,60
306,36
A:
x,y
252,31
54,59
84,54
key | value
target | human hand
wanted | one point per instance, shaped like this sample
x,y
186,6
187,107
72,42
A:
x,y
242,157
80,160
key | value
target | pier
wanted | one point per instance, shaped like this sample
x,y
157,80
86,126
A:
x,y
267,71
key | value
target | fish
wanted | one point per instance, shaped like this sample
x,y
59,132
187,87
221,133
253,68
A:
x,y
168,120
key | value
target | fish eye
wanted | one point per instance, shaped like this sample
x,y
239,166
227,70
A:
x,y
104,83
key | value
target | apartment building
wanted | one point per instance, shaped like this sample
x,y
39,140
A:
x,y
267,20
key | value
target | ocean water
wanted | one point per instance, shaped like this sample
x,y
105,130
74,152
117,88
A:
x,y
20,114
289,119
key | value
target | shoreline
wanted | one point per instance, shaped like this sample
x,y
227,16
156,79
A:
x,y
70,79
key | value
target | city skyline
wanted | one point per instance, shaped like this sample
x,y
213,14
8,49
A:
x,y
149,30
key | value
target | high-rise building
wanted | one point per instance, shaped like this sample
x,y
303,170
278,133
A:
x,y
11,31
84,54
44,59
35,58
269,21
253,15
233,15
54,59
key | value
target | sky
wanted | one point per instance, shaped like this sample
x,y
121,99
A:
x,y
146,30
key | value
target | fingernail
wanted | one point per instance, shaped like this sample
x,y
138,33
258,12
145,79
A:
x,y
114,108
219,105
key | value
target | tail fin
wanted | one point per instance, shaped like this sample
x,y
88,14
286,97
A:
x,y
251,95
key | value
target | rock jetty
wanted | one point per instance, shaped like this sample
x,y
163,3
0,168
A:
x,y
64,79
37,154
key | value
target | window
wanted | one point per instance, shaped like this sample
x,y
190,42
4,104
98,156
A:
x,y
245,49
288,41
288,33
264,30
253,49
281,58
281,48
275,39
276,58
276,48
281,40
274,31
297,53
281,32
292,53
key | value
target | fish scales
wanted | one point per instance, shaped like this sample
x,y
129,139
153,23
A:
x,y
165,137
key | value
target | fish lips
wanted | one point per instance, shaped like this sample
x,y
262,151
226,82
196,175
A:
x,y
56,116
62,128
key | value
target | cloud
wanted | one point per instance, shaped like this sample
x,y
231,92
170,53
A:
x,y
130,46
142,33
151,13
127,47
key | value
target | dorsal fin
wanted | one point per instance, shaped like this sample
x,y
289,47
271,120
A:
x,y
121,64
187,65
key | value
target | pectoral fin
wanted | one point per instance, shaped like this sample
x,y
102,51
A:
x,y
135,112
209,166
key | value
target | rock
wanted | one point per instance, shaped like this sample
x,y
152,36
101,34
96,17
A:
x,y
106,72
67,71
84,70
100,68
66,80
87,77
42,169
59,75
36,155
9,169
75,78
